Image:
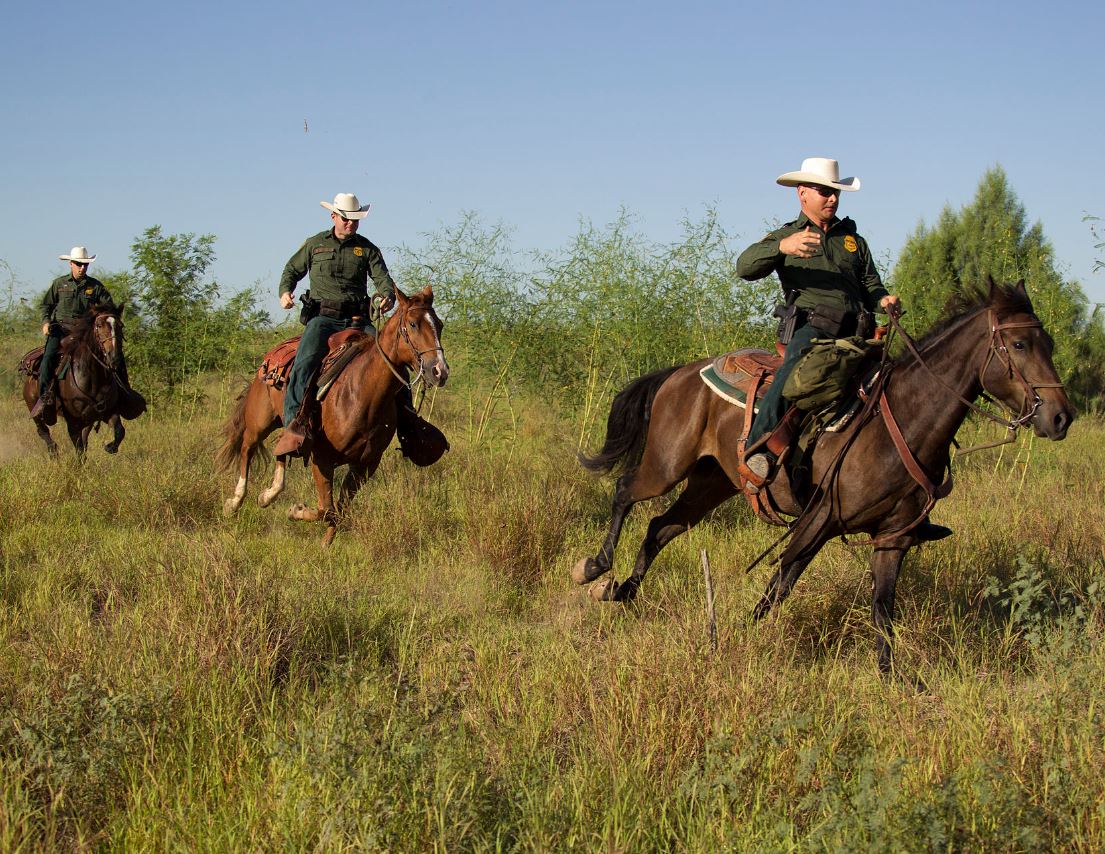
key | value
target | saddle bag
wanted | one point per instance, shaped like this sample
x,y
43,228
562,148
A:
x,y
824,370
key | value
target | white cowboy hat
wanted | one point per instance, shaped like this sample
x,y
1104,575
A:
x,y
347,205
821,171
78,254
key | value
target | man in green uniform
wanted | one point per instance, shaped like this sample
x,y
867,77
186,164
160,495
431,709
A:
x,y
68,299
339,262
829,277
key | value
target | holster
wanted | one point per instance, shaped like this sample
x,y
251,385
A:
x,y
310,308
789,316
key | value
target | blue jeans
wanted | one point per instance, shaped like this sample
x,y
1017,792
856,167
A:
x,y
773,406
312,350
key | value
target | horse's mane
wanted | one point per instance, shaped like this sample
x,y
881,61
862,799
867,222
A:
x,y
1005,299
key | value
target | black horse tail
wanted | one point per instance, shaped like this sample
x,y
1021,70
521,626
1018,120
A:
x,y
627,424
227,457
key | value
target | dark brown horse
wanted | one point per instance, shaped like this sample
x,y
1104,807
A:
x,y
90,391
668,427
358,416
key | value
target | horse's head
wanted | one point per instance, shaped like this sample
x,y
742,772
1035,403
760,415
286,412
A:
x,y
419,334
1018,369
101,332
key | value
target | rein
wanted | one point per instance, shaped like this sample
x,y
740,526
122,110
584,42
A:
x,y
420,377
999,349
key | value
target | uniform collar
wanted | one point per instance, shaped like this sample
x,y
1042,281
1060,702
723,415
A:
x,y
804,220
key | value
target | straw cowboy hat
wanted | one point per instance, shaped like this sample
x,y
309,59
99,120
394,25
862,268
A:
x,y
347,205
821,171
79,254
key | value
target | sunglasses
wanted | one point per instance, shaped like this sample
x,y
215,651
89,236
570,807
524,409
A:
x,y
824,192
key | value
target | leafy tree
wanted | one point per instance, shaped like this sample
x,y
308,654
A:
x,y
991,236
181,329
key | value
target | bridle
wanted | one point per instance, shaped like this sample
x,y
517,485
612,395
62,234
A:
x,y
404,333
997,349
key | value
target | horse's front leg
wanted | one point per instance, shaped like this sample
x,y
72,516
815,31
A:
x,y
120,431
886,563
78,435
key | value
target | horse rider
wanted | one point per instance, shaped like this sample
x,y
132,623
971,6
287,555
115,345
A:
x,y
831,290
340,261
67,300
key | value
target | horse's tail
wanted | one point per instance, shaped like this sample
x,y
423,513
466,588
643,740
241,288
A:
x,y
227,457
627,424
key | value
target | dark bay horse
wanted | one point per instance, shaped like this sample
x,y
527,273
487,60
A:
x,y
90,392
668,427
358,414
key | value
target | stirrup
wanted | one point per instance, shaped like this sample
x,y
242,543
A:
x,y
756,471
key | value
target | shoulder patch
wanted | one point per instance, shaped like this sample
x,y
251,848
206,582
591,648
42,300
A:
x,y
850,243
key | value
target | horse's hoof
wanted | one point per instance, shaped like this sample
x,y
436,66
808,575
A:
x,y
264,499
329,537
295,512
604,591
584,571
111,448
230,507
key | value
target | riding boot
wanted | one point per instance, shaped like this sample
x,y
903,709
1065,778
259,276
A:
x,y
45,400
929,532
758,467
419,440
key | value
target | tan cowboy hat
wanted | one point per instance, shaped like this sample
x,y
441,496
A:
x,y
821,171
347,205
78,254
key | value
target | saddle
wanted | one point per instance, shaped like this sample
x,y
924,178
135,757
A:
x,y
342,347
32,360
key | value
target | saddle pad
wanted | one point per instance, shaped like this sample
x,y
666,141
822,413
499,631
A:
x,y
728,376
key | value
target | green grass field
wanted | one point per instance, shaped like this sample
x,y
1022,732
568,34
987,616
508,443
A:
x,y
174,680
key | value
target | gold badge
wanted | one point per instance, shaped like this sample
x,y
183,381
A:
x,y
850,243
88,291
357,250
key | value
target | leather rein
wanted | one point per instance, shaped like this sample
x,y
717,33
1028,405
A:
x,y
402,332
997,348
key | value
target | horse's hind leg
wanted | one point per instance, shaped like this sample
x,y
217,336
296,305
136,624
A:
x,y
269,495
588,568
779,587
120,432
323,474
885,566
707,487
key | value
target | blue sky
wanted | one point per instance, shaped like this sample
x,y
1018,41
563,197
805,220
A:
x,y
120,115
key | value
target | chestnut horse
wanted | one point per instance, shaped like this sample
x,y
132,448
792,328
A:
x,y
358,416
668,427
90,392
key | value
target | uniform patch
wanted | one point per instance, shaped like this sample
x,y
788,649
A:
x,y
850,243
88,291
357,250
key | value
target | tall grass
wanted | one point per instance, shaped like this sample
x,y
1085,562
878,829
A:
x,y
173,679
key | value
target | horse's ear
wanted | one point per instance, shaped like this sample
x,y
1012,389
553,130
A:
x,y
401,298
992,285
1021,288
428,294
121,309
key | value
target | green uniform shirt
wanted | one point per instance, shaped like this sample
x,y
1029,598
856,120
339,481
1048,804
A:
x,y
339,269
67,299
842,274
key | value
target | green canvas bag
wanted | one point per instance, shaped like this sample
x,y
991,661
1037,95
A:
x,y
824,370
